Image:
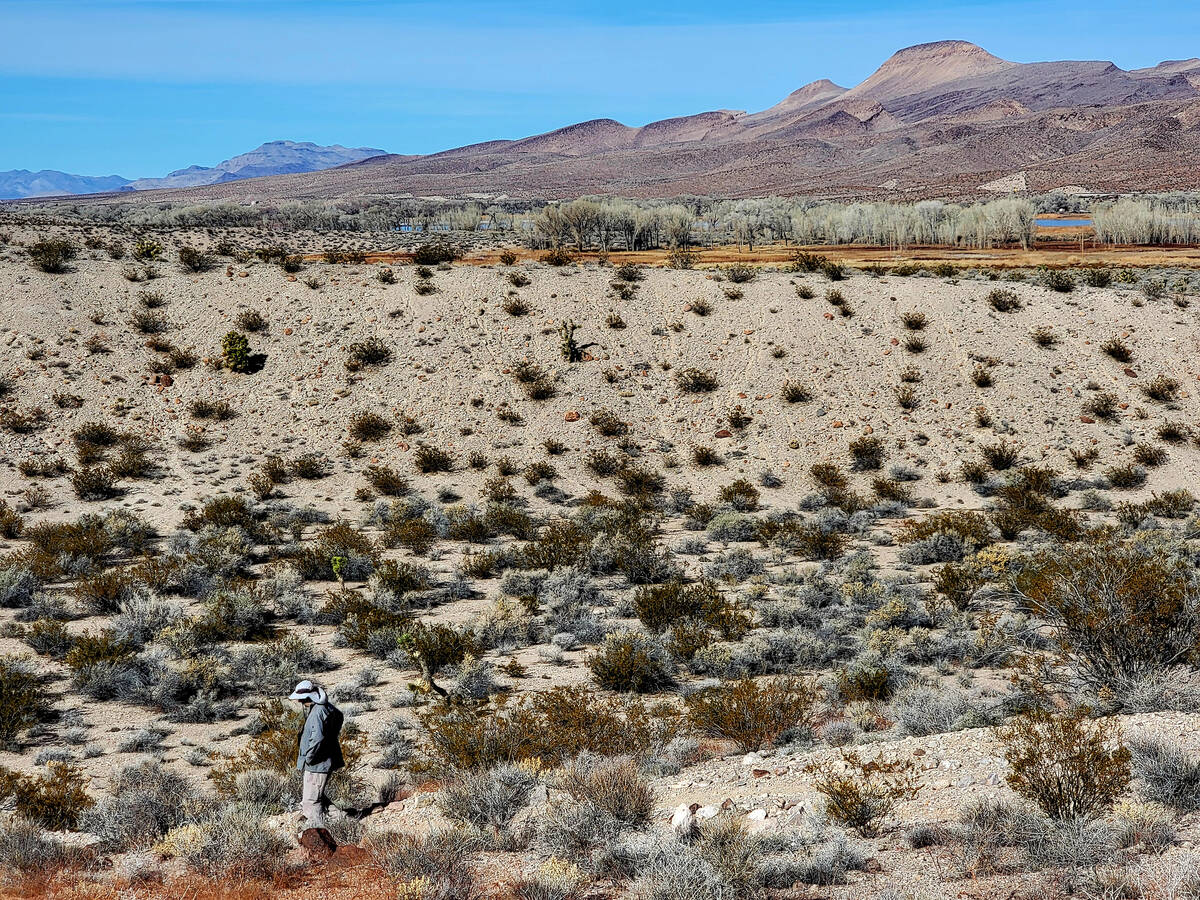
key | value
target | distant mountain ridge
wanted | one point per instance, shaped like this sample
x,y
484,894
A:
x,y
943,119
271,158
19,183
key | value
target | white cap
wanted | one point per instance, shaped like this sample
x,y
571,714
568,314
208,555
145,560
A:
x,y
305,690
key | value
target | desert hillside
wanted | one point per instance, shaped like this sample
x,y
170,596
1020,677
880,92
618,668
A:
x,y
631,581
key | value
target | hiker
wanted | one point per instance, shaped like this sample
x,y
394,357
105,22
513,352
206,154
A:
x,y
319,753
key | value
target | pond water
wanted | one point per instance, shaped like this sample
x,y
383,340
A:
x,y
1063,223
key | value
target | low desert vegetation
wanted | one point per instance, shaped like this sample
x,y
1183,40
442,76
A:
x,y
577,566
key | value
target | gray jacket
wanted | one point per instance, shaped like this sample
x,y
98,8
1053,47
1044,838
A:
x,y
319,750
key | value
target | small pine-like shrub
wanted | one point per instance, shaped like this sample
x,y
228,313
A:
x,y
235,352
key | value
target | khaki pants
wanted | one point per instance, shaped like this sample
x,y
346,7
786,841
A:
x,y
313,801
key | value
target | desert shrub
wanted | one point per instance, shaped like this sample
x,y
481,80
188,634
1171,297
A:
x,y
95,483
1003,300
52,254
913,320
1161,389
696,381
386,481
490,798
753,714
860,793
372,351
54,800
663,606
613,785
682,258
1001,455
356,554
217,410
558,256
971,528
369,426
922,710
740,494
794,392
1117,349
251,320
631,662
914,343
1100,277
867,452
194,260
1166,773
1044,336
24,701
143,803
436,866
551,726
608,423
1069,766
26,848
432,254
235,352
739,273
429,459
236,844
1126,476
1120,610
1058,280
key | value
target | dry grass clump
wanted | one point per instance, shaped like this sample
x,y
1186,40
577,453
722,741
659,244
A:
x,y
370,352
1004,300
696,381
1161,389
1117,349
795,392
369,426
429,459
867,453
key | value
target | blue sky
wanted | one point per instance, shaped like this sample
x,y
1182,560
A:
x,y
139,87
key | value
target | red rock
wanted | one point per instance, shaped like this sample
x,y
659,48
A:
x,y
895,342
1131,373
837,424
287,331
166,380
742,396
1087,420
723,433
571,416
759,773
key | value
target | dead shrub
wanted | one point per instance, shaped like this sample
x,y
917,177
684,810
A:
x,y
860,793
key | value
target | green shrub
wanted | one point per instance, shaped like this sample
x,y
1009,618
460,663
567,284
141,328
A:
x,y
54,800
235,352
549,726
663,606
1120,610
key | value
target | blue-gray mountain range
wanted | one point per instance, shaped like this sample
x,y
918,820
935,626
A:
x,y
272,158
